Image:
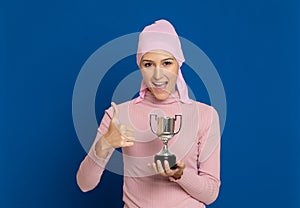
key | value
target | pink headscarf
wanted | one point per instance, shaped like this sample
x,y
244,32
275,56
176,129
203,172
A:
x,y
162,36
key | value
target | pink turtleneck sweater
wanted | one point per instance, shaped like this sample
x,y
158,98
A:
x,y
197,145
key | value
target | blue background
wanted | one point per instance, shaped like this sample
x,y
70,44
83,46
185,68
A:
x,y
43,45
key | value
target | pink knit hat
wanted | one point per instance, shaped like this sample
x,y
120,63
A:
x,y
162,36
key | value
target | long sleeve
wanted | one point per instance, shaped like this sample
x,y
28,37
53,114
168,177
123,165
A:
x,y
91,168
204,185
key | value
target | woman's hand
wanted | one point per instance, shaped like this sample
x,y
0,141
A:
x,y
117,135
168,172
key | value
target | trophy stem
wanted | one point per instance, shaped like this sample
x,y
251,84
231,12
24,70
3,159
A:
x,y
165,142
165,148
165,154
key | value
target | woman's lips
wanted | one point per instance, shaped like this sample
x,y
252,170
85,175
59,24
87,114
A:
x,y
159,86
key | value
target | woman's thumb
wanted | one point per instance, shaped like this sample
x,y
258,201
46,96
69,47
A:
x,y
115,117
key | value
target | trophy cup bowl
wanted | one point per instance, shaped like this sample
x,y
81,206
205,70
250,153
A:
x,y
165,131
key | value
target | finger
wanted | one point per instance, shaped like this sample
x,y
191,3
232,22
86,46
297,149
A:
x,y
177,175
154,167
151,168
125,143
127,135
167,168
127,139
180,164
115,117
128,144
179,171
160,168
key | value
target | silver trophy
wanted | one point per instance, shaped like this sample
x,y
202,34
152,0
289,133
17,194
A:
x,y
165,130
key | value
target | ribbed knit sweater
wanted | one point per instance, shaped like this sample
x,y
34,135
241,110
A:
x,y
197,144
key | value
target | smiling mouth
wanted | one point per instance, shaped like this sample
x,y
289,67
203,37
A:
x,y
159,84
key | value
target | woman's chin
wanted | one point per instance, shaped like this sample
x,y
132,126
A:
x,y
160,94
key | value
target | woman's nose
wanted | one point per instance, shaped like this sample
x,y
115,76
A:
x,y
157,73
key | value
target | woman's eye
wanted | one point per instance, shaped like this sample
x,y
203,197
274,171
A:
x,y
167,63
147,64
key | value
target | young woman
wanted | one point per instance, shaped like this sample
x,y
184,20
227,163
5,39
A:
x,y
196,179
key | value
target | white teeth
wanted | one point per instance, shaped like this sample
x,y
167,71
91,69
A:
x,y
159,83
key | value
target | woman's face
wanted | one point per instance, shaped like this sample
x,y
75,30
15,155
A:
x,y
159,70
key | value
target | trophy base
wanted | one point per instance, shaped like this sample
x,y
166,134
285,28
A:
x,y
170,158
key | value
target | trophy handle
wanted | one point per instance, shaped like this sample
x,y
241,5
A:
x,y
180,123
151,115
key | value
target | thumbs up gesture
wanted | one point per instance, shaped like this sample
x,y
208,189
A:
x,y
118,135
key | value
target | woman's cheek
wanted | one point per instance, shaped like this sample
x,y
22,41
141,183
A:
x,y
145,76
172,81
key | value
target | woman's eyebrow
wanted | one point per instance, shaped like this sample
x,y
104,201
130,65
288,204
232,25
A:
x,y
167,59
147,60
